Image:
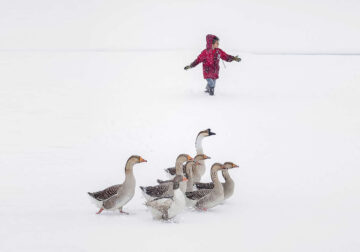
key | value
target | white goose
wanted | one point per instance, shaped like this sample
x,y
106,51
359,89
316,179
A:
x,y
168,207
199,150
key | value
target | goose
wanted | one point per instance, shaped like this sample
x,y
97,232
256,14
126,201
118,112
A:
x,y
199,150
199,157
207,198
165,189
169,206
229,184
116,196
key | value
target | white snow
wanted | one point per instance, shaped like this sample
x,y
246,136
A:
x,y
69,121
280,26
85,84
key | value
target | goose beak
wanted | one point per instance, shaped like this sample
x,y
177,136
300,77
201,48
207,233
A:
x,y
235,166
142,160
185,179
211,133
189,158
207,157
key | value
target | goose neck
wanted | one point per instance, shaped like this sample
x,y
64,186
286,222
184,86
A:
x,y
215,178
129,174
198,145
179,167
226,175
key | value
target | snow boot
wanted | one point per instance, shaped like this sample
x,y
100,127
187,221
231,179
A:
x,y
211,91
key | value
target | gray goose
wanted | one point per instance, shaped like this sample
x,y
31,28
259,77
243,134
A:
x,y
199,150
229,184
198,158
207,198
166,189
116,196
169,206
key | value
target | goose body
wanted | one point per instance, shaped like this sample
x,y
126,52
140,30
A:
x,y
116,196
208,198
158,191
168,207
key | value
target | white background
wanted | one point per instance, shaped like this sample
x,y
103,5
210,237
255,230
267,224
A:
x,y
86,84
277,26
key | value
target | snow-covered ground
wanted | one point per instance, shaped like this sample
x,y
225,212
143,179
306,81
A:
x,y
69,121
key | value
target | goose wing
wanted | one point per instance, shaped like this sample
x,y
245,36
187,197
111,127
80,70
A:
x,y
163,181
204,185
196,195
106,193
161,204
171,170
156,191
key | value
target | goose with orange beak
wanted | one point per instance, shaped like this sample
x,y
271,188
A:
x,y
168,207
229,184
116,196
197,169
208,198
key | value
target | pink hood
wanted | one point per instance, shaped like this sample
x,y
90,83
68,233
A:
x,y
209,40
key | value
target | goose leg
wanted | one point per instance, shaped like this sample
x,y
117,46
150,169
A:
x,y
101,209
165,215
121,211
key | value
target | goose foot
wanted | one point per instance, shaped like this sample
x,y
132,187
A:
x,y
122,212
101,209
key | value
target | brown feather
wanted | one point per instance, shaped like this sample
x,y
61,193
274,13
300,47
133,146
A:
x,y
106,193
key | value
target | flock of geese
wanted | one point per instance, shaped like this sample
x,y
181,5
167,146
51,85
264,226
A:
x,y
183,189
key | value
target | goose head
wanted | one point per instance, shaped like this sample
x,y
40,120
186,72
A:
x,y
230,165
225,172
183,158
217,166
205,133
134,159
177,180
200,157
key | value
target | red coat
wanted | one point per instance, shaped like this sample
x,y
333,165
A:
x,y
210,59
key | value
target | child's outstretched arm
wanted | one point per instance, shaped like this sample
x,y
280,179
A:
x,y
227,57
198,60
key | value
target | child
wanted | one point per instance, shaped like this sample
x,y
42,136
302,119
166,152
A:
x,y
210,58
